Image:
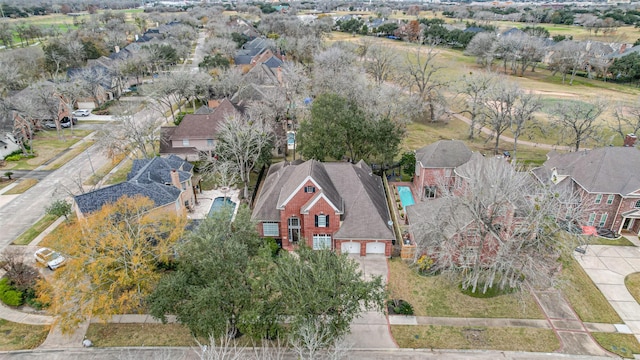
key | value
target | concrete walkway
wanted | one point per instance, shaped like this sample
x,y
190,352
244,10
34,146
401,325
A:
x,y
607,266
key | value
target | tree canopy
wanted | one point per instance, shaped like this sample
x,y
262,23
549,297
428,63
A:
x,y
113,260
339,128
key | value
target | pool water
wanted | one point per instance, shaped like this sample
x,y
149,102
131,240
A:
x,y
219,203
406,197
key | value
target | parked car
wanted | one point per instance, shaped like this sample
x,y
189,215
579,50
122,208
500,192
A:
x,y
52,259
49,125
82,112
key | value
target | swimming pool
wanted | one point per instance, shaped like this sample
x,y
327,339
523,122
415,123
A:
x,y
406,197
219,203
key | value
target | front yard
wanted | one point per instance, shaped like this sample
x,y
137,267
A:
x,y
47,145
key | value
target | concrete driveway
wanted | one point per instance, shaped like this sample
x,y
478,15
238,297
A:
x,y
371,330
607,266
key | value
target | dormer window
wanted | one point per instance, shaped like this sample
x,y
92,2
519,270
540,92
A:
x,y
309,189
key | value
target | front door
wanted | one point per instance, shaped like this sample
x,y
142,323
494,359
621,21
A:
x,y
294,229
628,224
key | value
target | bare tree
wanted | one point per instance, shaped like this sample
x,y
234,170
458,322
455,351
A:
x,y
577,121
481,46
500,106
420,73
380,62
522,117
92,80
313,341
627,119
227,83
17,269
244,142
568,57
475,88
497,229
135,132
164,93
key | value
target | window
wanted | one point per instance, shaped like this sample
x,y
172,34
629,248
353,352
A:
x,y
637,204
598,198
209,142
430,192
321,241
322,220
610,199
294,229
309,189
270,229
185,142
603,219
592,218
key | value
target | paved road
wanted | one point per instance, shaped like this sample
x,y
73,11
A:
x,y
20,213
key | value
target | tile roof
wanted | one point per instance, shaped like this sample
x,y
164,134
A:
x,y
443,154
610,170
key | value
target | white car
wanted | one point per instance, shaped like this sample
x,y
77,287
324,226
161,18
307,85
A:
x,y
52,259
82,112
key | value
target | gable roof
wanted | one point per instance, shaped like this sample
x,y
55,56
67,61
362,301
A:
x,y
609,170
443,154
351,187
158,170
203,126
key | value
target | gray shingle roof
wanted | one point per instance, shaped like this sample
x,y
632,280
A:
x,y
351,188
158,170
443,154
94,200
610,170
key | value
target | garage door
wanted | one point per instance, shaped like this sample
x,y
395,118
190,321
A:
x,y
86,105
350,248
375,248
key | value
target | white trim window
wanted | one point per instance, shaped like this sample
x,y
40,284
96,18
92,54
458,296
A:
x,y
598,198
322,221
321,241
270,228
185,142
309,189
603,219
637,205
592,219
610,199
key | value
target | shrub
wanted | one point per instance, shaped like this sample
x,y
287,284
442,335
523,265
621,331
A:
x,y
400,307
15,157
11,297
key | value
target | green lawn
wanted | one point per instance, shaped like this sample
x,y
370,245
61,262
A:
x,y
47,145
624,345
435,296
26,237
116,335
632,281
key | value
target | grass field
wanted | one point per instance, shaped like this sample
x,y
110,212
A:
x,y
47,145
624,345
434,296
632,282
26,237
108,335
23,185
479,337
21,336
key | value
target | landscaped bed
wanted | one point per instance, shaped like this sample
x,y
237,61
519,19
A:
x,y
434,296
476,337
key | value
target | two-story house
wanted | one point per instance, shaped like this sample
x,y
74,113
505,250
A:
x,y
607,180
166,181
435,165
338,205
196,132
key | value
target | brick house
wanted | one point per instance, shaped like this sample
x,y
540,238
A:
x,y
607,180
450,222
435,165
196,132
166,181
338,205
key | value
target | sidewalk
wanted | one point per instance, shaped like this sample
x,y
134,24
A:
x,y
608,266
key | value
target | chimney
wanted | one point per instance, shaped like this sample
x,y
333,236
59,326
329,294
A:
x,y
175,179
630,140
117,49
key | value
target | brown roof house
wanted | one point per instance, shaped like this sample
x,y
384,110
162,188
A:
x,y
337,205
196,133
607,180
436,164
165,180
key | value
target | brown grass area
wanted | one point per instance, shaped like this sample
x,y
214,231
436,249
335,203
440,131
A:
x,y
632,281
26,237
434,296
485,338
624,345
112,334
23,185
21,336
68,156
583,295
